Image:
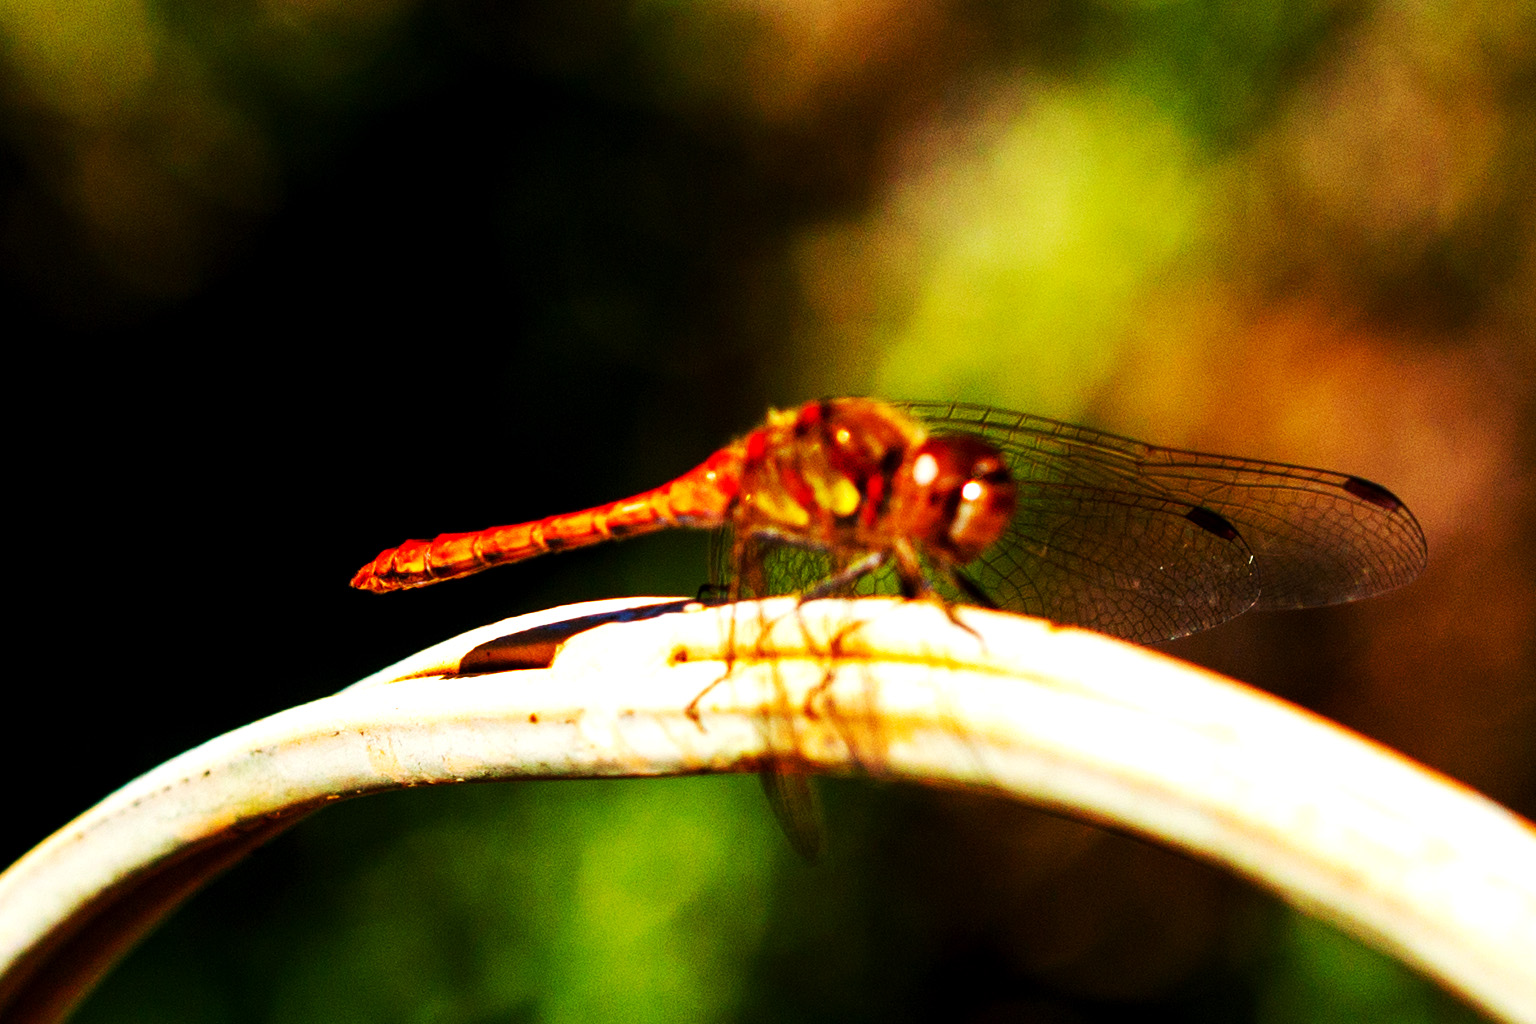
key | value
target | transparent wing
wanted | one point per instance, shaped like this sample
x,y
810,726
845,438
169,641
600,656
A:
x,y
1054,566
785,569
1150,543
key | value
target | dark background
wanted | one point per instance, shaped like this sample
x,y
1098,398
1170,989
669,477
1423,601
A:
x,y
288,283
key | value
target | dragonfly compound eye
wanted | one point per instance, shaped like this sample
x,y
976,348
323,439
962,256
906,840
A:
x,y
964,496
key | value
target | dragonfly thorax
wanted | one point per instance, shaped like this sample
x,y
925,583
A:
x,y
821,475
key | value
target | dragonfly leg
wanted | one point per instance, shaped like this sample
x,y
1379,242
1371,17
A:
x,y
914,583
909,571
971,589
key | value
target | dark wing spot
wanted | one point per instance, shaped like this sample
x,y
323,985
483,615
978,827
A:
x,y
1210,522
1373,493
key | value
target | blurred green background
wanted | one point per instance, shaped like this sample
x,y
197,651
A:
x,y
289,281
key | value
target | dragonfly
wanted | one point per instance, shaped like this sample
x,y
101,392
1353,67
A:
x,y
971,504
1006,510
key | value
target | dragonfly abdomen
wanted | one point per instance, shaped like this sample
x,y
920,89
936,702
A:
x,y
698,498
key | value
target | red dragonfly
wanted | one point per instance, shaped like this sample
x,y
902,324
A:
x,y
994,508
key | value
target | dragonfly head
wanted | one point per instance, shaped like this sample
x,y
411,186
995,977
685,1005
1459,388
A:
x,y
959,496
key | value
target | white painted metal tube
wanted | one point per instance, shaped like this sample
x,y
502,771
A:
x,y
1398,855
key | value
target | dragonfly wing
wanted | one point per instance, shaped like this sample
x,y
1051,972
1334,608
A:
x,y
1316,537
1320,537
1139,569
1058,569
797,808
788,568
